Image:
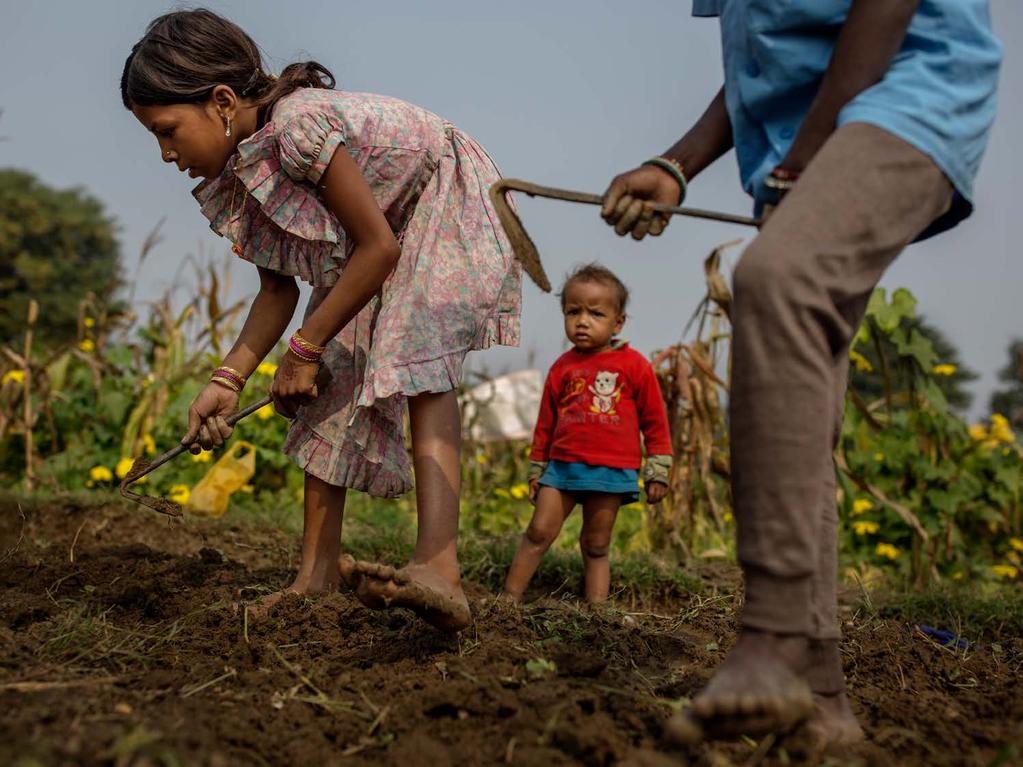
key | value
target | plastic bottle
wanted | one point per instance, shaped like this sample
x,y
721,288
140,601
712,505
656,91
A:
x,y
228,475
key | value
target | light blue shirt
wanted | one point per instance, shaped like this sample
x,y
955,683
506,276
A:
x,y
938,93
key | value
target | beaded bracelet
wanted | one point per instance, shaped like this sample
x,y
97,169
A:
x,y
781,180
674,167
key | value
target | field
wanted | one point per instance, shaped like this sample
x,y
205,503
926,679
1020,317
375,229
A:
x,y
121,644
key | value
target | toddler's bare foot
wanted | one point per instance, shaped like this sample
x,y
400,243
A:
x,y
507,596
756,691
420,588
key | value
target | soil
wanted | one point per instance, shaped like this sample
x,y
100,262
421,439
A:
x,y
121,643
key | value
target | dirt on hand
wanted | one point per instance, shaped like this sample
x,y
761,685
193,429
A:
x,y
123,642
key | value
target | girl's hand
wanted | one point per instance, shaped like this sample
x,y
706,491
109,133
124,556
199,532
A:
x,y
655,491
207,428
534,488
627,201
294,384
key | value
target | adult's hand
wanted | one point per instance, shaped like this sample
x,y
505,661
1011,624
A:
x,y
628,201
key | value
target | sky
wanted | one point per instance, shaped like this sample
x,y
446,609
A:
x,y
565,93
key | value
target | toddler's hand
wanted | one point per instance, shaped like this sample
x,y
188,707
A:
x,y
534,488
655,491
207,428
627,201
295,384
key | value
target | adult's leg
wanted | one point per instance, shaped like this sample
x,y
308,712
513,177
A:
x,y
552,509
599,513
800,291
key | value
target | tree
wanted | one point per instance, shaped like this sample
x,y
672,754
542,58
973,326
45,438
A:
x,y
867,378
1009,401
55,246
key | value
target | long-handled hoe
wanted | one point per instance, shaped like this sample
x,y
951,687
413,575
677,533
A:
x,y
142,467
525,249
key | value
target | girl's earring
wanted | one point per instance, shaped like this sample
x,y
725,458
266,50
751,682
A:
x,y
227,130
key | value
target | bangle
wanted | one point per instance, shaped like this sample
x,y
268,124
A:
x,y
674,167
309,346
232,375
226,382
303,349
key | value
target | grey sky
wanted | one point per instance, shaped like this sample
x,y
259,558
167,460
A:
x,y
566,93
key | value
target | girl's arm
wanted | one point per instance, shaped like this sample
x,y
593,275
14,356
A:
x,y
546,420
348,196
268,317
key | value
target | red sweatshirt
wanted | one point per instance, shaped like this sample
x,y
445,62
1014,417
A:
x,y
594,407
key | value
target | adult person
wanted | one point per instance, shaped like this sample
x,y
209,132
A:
x,y
859,125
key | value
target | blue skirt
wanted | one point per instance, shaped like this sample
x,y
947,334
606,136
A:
x,y
580,477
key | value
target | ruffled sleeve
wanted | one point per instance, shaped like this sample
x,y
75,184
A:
x,y
266,201
307,143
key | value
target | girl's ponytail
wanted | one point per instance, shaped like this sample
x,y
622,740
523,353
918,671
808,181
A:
x,y
306,74
184,55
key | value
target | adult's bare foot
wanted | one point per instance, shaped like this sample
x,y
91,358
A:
x,y
832,724
758,690
419,588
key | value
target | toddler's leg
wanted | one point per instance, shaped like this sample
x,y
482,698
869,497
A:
x,y
321,543
552,509
599,513
429,584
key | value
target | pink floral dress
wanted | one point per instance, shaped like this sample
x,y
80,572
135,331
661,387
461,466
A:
x,y
456,286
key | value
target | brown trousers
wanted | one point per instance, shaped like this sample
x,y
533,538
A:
x,y
801,290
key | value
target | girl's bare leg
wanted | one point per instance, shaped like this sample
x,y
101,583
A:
x,y
430,582
599,513
321,544
552,509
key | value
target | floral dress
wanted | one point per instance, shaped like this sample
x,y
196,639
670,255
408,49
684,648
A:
x,y
456,286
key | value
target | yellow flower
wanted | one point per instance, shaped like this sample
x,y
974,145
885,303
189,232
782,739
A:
x,y
180,494
1000,430
123,467
18,376
727,517
887,550
89,322
520,491
87,345
246,488
866,528
267,369
203,456
1005,571
957,575
977,432
265,412
500,492
481,459
100,474
878,456
861,362
149,443
944,369
861,505
1016,543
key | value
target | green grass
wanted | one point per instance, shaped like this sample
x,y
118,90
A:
x,y
977,615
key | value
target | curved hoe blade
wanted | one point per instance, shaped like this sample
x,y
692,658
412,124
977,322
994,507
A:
x,y
522,245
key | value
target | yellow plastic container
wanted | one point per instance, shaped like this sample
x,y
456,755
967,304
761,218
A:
x,y
228,475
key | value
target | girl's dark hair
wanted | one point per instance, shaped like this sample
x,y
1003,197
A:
x,y
184,55
600,274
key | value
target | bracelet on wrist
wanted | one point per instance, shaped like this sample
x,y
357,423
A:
x,y
226,383
781,180
231,376
303,349
674,168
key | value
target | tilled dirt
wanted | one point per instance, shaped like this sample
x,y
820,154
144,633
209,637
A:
x,y
121,643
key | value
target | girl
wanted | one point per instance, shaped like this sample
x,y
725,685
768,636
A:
x,y
597,399
382,207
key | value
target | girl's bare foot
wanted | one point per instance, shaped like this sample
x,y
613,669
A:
x,y
303,585
419,588
757,690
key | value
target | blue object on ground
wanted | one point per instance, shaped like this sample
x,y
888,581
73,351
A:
x,y
947,638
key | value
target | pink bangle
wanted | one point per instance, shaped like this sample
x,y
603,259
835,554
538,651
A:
x,y
303,354
230,374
